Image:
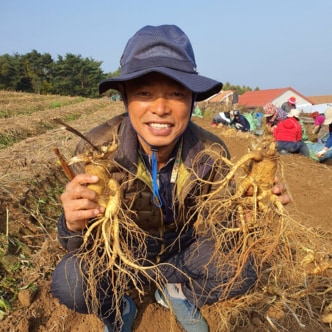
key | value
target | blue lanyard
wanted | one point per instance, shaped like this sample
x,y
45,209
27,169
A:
x,y
154,163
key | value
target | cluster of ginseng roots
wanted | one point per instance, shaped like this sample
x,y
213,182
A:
x,y
114,257
293,263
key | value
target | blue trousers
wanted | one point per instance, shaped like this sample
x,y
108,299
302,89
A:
x,y
294,147
200,281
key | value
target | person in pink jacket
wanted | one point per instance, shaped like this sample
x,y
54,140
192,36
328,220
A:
x,y
288,134
318,121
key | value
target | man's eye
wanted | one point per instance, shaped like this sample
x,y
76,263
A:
x,y
178,94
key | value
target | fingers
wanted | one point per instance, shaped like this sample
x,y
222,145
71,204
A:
x,y
76,188
277,189
76,221
80,203
81,180
285,199
280,190
320,154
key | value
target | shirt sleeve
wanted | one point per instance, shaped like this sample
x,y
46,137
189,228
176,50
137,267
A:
x,y
69,240
328,143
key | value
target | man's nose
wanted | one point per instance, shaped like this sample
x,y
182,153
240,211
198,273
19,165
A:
x,y
160,106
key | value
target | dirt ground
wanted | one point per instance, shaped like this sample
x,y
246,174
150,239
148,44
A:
x,y
31,177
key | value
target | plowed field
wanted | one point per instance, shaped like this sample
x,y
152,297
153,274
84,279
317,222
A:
x,y
32,181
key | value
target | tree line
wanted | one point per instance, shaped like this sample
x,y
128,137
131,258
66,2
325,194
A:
x,y
239,89
69,75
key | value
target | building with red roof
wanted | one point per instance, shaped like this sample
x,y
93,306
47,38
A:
x,y
257,99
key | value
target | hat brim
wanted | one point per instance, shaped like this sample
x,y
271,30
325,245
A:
x,y
267,115
293,116
202,86
328,116
327,121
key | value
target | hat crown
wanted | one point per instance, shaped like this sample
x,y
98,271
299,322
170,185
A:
x,y
294,113
270,109
292,100
164,49
158,46
328,116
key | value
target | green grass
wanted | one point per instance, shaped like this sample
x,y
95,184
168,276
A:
x,y
72,117
4,114
55,104
7,141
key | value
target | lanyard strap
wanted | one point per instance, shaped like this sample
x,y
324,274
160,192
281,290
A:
x,y
176,165
155,185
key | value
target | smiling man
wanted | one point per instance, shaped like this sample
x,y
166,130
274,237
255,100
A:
x,y
154,165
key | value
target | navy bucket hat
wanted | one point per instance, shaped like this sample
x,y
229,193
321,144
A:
x,y
165,49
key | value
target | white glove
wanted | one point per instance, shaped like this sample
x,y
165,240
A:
x,y
321,153
238,125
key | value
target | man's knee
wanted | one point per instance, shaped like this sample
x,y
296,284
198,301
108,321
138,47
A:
x,y
67,284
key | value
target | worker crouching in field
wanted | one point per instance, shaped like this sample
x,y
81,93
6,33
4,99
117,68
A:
x,y
161,174
288,134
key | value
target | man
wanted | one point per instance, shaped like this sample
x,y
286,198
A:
x,y
157,144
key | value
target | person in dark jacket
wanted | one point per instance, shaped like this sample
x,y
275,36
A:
x,y
154,165
240,122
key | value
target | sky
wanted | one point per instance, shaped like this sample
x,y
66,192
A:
x,y
258,43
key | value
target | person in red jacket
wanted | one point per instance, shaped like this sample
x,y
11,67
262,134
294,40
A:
x,y
288,134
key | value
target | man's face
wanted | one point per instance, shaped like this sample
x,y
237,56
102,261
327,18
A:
x,y
159,109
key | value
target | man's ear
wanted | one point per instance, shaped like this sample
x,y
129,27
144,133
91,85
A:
x,y
121,89
123,94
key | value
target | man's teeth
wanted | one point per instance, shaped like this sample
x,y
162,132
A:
x,y
159,125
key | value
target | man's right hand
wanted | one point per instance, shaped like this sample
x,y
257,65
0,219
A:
x,y
80,203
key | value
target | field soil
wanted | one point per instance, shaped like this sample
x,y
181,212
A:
x,y
32,181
